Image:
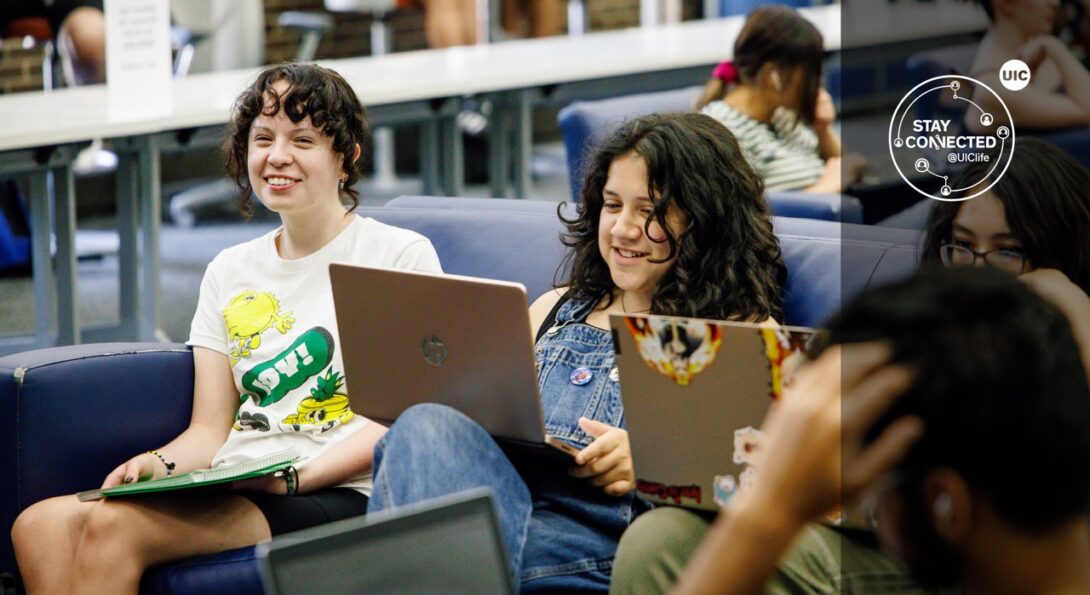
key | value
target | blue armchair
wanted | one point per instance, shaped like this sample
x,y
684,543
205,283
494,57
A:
x,y
73,413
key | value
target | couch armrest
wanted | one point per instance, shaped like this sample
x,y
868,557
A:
x,y
72,414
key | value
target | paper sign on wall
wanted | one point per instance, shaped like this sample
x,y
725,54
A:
x,y
138,62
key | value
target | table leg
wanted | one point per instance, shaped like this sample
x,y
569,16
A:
x,y
429,157
128,230
523,142
64,192
498,147
453,156
149,176
41,232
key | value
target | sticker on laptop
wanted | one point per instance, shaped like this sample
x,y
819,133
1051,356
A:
x,y
725,488
678,349
747,444
663,491
786,351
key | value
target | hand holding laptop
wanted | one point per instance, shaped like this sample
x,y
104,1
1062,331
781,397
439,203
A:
x,y
607,461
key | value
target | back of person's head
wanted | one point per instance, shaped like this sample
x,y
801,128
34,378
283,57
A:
x,y
729,263
1003,396
1046,200
312,91
780,36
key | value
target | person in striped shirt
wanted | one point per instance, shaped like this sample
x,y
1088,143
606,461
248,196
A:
x,y
771,97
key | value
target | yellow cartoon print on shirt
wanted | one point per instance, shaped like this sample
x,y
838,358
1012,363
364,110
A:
x,y
249,314
325,406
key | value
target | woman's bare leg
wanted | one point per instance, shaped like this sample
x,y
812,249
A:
x,y
118,539
45,537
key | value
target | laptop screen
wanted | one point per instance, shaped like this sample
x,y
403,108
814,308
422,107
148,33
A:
x,y
447,545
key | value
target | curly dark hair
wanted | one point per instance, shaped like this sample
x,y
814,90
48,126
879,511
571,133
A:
x,y
729,264
1044,198
314,91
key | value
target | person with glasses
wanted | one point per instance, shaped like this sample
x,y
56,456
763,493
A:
x,y
1037,216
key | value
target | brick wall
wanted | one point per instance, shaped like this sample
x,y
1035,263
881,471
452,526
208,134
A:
x,y
20,68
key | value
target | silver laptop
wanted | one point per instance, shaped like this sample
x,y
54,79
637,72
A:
x,y
447,545
695,394
409,337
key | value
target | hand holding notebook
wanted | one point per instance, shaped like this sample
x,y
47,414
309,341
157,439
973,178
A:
x,y
222,474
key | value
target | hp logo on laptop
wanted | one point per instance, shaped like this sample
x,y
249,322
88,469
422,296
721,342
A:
x,y
434,350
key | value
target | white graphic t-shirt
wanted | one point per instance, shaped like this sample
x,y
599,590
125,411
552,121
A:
x,y
274,319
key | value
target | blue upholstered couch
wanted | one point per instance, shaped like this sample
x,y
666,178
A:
x,y
72,413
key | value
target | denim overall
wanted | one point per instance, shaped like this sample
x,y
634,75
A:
x,y
561,532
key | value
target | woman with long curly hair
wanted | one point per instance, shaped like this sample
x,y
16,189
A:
x,y
673,221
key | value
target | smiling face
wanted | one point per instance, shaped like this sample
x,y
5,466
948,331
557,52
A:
x,y
622,241
292,166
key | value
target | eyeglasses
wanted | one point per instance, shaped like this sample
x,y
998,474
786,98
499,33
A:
x,y
1004,259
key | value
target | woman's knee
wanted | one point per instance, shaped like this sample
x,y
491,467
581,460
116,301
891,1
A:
x,y
655,548
112,527
42,520
429,425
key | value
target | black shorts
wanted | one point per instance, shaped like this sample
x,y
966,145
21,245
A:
x,y
293,513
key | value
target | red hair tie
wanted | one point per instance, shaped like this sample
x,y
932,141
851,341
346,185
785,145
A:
x,y
726,72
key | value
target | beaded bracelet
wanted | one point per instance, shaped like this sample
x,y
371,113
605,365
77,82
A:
x,y
290,476
169,465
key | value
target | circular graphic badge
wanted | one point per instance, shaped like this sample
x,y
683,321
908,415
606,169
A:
x,y
939,146
434,350
1015,75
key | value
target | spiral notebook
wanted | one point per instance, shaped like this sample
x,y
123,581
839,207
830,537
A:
x,y
222,474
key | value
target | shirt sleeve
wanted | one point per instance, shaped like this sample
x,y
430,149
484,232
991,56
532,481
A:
x,y
419,256
207,328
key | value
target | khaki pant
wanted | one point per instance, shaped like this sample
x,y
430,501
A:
x,y
824,559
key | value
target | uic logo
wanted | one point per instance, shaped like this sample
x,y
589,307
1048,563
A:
x,y
1014,75
936,146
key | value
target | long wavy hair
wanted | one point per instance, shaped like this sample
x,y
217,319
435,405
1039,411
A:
x,y
729,264
776,35
314,91
1044,196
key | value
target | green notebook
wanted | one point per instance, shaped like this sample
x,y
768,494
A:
x,y
264,465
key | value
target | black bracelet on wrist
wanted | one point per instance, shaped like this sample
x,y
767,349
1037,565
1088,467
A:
x,y
290,476
168,464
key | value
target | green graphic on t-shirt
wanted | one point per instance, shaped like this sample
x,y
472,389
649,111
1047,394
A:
x,y
307,356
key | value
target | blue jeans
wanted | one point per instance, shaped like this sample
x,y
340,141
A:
x,y
560,532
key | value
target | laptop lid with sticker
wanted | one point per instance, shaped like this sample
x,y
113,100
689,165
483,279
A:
x,y
695,394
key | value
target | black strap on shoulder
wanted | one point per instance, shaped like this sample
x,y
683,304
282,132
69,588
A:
x,y
550,320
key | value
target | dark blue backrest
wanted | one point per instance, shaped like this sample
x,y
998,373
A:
x,y
520,241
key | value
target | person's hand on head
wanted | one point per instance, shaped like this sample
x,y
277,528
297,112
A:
x,y
1070,299
813,457
607,461
142,467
